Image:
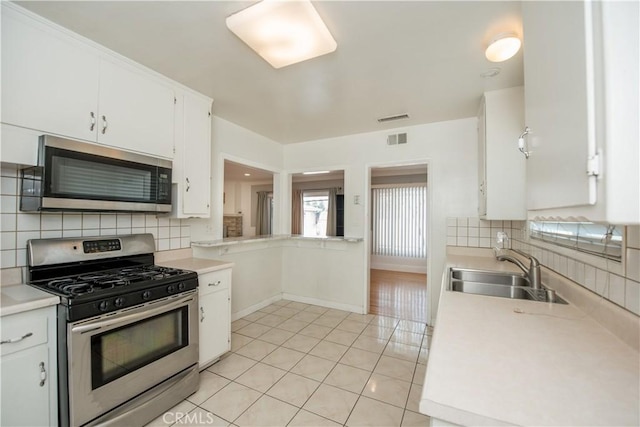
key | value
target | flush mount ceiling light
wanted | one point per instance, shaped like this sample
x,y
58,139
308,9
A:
x,y
315,172
283,32
503,47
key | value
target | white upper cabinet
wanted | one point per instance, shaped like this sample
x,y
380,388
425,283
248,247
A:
x,y
192,162
135,112
49,82
53,82
501,167
581,104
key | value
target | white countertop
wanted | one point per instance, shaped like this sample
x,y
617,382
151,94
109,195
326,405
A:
x,y
19,298
279,237
199,265
552,364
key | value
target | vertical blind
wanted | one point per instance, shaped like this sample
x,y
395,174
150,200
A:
x,y
400,221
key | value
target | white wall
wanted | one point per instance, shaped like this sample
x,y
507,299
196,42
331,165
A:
x,y
317,271
337,274
257,273
450,150
232,142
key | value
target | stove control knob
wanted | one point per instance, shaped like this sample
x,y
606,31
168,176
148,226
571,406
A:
x,y
119,302
171,288
103,306
146,295
181,286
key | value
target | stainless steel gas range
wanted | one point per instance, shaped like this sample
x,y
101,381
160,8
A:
x,y
127,329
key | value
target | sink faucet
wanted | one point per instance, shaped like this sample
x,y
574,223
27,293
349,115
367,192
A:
x,y
533,272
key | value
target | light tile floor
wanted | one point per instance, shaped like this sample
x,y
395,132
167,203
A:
x,y
294,364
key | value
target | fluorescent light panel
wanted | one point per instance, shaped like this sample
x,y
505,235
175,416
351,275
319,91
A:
x,y
283,32
314,172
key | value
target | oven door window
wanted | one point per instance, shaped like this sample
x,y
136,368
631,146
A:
x,y
123,350
76,175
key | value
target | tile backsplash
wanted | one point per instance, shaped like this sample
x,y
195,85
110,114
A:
x,y
618,282
478,233
17,227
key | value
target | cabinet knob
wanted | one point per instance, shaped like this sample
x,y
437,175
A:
x,y
43,374
522,145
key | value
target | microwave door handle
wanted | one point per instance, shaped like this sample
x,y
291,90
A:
x,y
91,326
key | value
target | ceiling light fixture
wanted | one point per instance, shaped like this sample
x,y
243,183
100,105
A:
x,y
503,47
247,174
283,32
314,172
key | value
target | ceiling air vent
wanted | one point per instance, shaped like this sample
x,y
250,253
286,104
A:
x,y
392,118
397,138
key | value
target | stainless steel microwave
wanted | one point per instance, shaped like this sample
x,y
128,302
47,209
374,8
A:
x,y
78,176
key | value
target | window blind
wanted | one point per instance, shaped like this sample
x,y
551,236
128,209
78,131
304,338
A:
x,y
399,226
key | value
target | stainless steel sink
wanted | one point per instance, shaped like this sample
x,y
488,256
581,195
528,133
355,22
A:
x,y
498,284
495,278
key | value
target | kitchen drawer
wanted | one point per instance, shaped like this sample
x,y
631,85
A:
x,y
23,330
214,281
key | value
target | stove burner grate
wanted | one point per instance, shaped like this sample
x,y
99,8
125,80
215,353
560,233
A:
x,y
95,282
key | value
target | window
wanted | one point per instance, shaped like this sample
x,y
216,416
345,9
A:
x,y
400,221
596,239
315,205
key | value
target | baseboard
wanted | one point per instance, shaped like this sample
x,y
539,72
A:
x,y
324,303
398,263
399,267
262,304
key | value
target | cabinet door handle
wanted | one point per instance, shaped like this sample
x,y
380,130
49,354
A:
x,y
93,121
43,374
188,184
201,314
12,340
216,283
105,124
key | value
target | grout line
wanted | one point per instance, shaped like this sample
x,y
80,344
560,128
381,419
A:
x,y
368,323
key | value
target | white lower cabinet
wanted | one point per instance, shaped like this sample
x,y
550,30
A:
x,y
28,366
215,315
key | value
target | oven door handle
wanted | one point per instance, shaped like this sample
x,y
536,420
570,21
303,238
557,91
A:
x,y
128,318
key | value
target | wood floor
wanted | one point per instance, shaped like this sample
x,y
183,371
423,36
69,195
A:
x,y
396,294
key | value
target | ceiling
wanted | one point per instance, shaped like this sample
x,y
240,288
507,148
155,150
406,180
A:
x,y
236,172
424,58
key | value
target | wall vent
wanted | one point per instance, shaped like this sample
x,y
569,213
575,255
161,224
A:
x,y
392,118
397,138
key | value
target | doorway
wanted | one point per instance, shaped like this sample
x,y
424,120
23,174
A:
x,y
398,242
